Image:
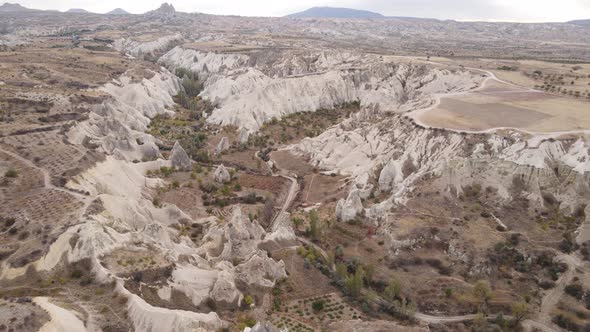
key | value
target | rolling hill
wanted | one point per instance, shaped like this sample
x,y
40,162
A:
x,y
331,12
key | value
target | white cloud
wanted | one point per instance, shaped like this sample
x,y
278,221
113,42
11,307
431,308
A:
x,y
508,10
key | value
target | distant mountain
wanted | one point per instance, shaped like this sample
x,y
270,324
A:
x,y
15,8
118,11
580,22
78,11
331,12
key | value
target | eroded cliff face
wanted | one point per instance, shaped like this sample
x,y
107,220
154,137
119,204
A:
x,y
249,90
128,219
142,49
384,152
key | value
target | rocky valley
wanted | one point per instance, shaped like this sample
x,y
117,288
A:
x,y
188,172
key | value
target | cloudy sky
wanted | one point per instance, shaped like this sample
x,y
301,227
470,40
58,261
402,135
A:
x,y
488,10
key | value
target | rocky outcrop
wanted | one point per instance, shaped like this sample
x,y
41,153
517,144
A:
x,y
262,327
243,136
250,91
224,291
140,49
165,10
221,174
180,160
222,146
390,174
348,209
118,125
371,138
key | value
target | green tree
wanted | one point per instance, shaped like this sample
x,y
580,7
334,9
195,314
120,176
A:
x,y
341,271
317,305
354,282
393,289
482,292
338,252
519,311
315,226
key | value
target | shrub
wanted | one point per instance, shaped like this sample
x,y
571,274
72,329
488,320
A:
x,y
138,276
11,173
23,235
9,222
86,281
76,274
248,300
575,290
318,305
156,202
565,323
448,292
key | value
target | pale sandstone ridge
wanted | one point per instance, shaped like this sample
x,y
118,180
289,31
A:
x,y
130,220
61,319
384,152
140,49
250,90
180,159
118,125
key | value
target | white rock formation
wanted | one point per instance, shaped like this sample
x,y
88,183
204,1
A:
x,y
349,208
360,145
223,145
129,218
243,136
60,318
118,124
262,327
180,159
221,174
140,48
249,91
146,317
390,174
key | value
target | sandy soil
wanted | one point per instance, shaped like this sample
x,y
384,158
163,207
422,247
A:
x,y
503,106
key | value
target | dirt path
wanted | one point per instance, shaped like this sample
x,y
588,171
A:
x,y
293,189
552,297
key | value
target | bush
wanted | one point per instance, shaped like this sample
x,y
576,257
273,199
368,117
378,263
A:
x,y
318,305
11,173
76,274
23,235
9,222
565,323
138,276
86,281
248,300
448,292
575,290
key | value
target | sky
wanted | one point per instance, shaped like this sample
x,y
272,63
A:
x,y
468,10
